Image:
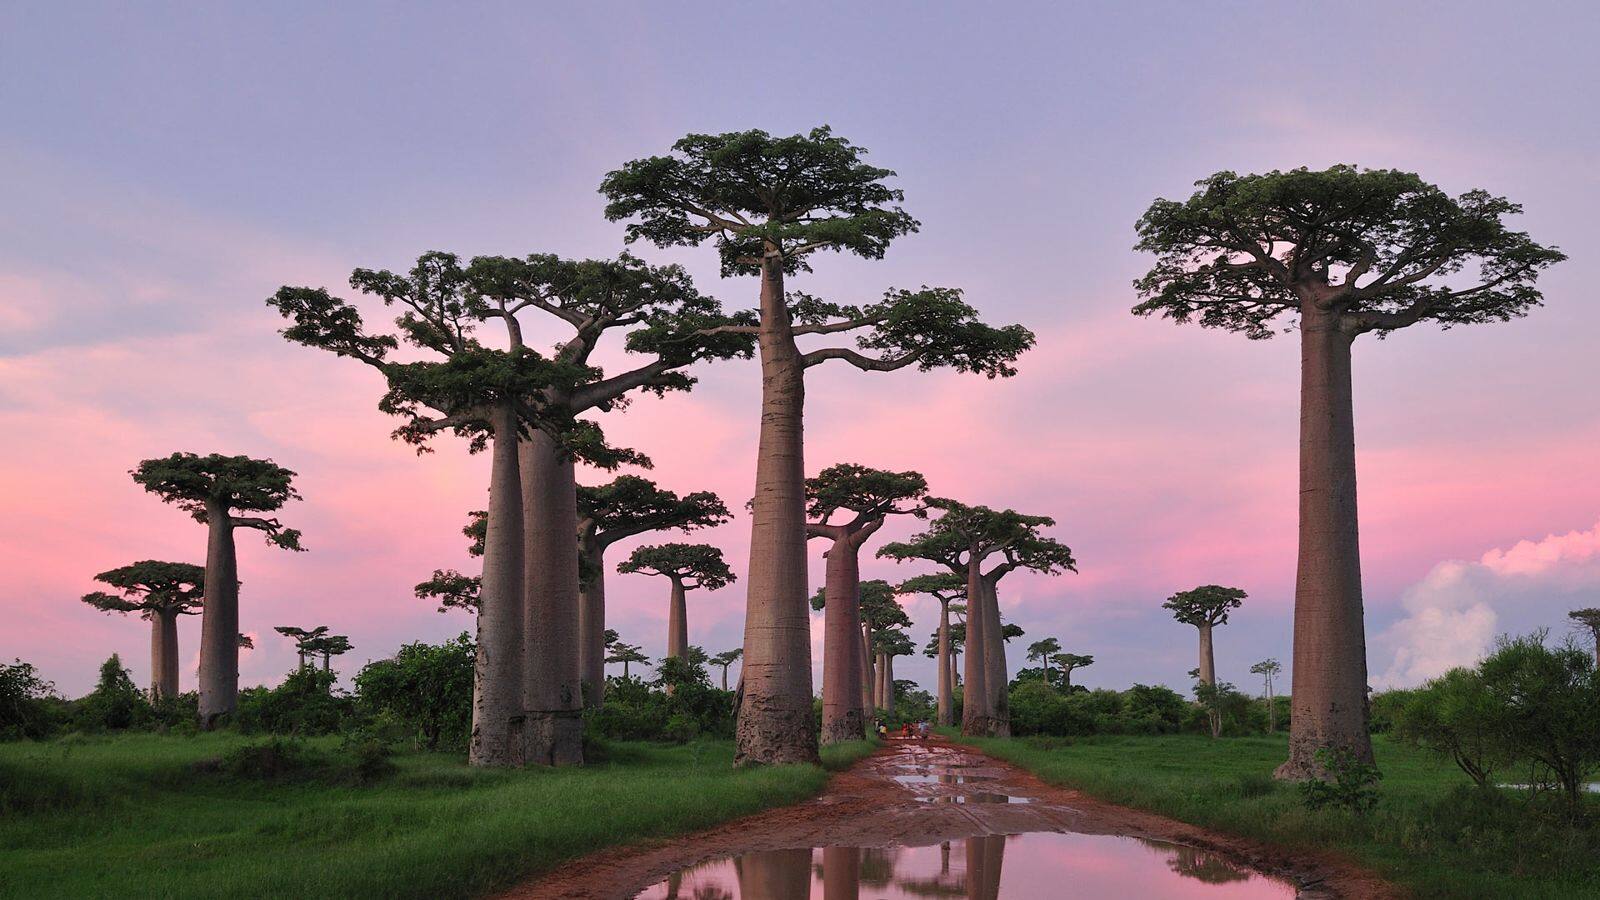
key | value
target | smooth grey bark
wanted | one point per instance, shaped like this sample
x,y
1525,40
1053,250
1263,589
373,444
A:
x,y
592,624
946,709
1329,689
1208,676
677,620
841,873
552,685
163,653
775,723
888,683
869,674
497,712
843,715
976,709
219,620
996,678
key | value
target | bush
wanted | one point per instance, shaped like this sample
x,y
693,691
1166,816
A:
x,y
678,707
26,710
1454,716
114,704
271,759
427,688
304,704
1152,709
1351,784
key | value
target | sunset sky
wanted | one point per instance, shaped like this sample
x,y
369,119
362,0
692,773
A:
x,y
164,170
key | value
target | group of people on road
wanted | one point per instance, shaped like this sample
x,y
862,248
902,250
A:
x,y
908,730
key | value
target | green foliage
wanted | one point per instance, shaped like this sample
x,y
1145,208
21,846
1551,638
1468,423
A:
x,y
1381,249
1350,783
425,687
949,539
25,708
304,704
680,705
1205,605
701,562
1040,708
870,494
630,505
196,484
451,589
1454,716
114,704
151,586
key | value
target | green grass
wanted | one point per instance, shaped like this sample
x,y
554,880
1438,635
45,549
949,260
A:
x,y
1431,832
132,816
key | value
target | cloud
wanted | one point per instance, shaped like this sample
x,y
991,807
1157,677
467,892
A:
x,y
1457,609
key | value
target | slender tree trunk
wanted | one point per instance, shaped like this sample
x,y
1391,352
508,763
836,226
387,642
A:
x,y
724,677
1330,647
946,706
678,622
163,654
325,658
976,713
219,620
869,674
841,872
1272,709
592,624
552,688
842,716
888,683
775,723
497,713
1208,676
995,676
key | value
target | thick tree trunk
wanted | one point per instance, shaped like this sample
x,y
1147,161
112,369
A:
x,y
592,625
984,857
775,723
163,654
497,714
1208,676
842,716
869,674
946,704
774,874
995,676
219,620
841,873
976,713
678,622
552,687
1330,647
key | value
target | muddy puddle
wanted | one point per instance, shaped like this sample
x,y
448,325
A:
x,y
958,826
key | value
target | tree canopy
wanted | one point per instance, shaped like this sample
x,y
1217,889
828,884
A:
x,y
1205,606
196,484
630,505
1044,649
702,563
966,535
151,586
870,494
1378,248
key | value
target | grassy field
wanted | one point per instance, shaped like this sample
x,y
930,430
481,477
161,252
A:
x,y
144,815
1431,832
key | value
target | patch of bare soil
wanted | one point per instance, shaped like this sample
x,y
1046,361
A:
x,y
912,793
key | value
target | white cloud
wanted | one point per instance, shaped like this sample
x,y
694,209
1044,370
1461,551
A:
x,y
1454,613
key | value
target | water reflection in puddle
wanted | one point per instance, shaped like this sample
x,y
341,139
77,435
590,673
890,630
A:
x,y
1036,865
975,798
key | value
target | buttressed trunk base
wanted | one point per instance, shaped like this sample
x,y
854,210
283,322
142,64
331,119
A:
x,y
1330,650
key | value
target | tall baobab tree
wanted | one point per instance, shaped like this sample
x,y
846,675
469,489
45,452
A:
x,y
213,490
962,540
1044,650
865,498
889,643
328,646
1206,607
1340,253
948,589
725,659
1069,663
625,507
879,612
304,639
626,654
770,204
528,696
689,567
1268,669
160,592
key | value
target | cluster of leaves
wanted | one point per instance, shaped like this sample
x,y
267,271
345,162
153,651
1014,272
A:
x,y
425,687
681,704
29,707
303,704
1040,708
1525,707
1350,784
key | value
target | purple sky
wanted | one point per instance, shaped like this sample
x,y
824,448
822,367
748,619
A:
x,y
166,171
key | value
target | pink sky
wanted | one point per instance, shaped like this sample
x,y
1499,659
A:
x,y
154,204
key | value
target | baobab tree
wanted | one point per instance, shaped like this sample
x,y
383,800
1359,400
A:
x,y
1205,608
948,589
689,567
626,654
889,643
962,540
1268,669
160,592
1340,253
1043,651
627,506
213,490
328,646
864,498
529,694
1070,662
770,204
304,639
725,659
1589,619
880,612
